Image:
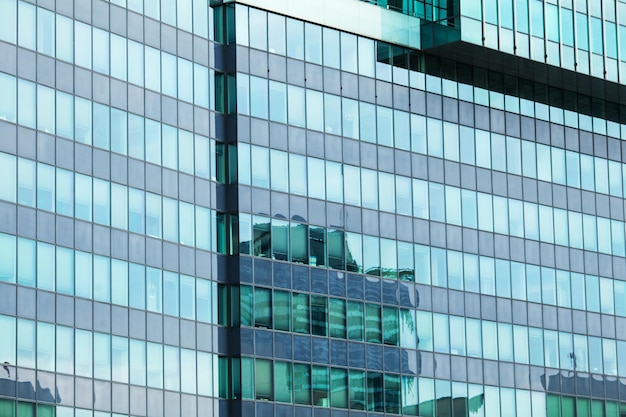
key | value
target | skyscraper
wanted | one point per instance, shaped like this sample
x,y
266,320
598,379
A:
x,y
296,208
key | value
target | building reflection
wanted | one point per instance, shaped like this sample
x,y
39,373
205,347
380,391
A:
x,y
24,385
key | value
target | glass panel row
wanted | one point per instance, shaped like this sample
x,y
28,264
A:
x,y
297,106
322,386
75,195
71,117
318,45
391,193
318,246
72,272
372,323
64,350
72,41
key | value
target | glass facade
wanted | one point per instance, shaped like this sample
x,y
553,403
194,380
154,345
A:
x,y
242,208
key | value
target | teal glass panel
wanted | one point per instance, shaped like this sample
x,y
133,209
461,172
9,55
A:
x,y
367,122
100,51
27,181
296,108
262,236
316,178
84,353
170,146
185,80
314,110
119,282
263,380
8,21
358,391
356,327
26,104
171,368
563,291
408,329
45,266
25,409
8,258
26,339
406,263
371,255
185,152
64,350
259,97
592,285
102,278
102,356
118,57
386,192
281,309
548,286
384,123
339,388
503,278
420,199
280,240
533,282
170,293
334,189
64,270
350,118
319,316
153,142
136,213
119,206
44,410
45,347
154,290
8,347
136,63
64,192
373,323
206,375
260,167
137,362
83,274
352,185
263,308
204,301
187,224
390,325
137,286
302,384
153,215
8,101
331,48
27,28
278,102
187,297
119,131
26,262
422,264
82,121
375,392
170,211
45,187
282,382
474,337
154,365
188,371
83,196
295,39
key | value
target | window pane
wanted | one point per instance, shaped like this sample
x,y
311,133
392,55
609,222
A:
x,y
8,85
